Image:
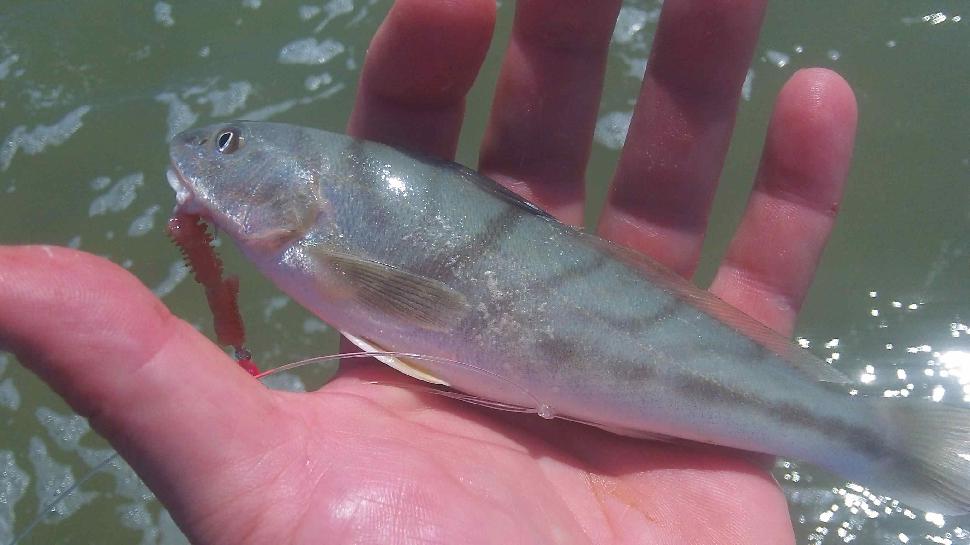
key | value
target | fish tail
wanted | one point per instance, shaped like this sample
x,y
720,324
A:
x,y
930,464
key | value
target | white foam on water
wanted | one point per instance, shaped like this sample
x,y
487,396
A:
x,y
119,197
252,4
308,12
310,51
169,533
266,112
43,96
630,21
5,65
163,14
275,303
53,478
127,484
271,110
13,484
611,129
777,58
141,53
100,183
933,19
227,101
334,9
177,272
313,83
135,515
34,141
287,382
326,93
313,325
338,7
144,223
747,85
65,429
9,395
636,67
180,115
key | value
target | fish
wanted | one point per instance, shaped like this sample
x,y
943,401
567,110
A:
x,y
411,254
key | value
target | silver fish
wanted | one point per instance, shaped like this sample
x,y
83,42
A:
x,y
412,254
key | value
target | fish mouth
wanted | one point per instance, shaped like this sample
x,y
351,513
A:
x,y
185,201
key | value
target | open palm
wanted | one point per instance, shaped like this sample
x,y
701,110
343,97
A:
x,y
362,463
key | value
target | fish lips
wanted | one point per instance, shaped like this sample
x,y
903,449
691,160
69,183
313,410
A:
x,y
186,149
185,199
182,192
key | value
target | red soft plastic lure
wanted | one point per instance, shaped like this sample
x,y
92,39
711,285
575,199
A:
x,y
189,233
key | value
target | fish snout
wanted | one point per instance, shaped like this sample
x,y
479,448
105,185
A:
x,y
192,138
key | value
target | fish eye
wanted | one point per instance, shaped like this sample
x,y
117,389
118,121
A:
x,y
228,141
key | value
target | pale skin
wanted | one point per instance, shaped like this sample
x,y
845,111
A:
x,y
355,462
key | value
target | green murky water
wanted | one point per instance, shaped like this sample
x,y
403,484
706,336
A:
x,y
90,90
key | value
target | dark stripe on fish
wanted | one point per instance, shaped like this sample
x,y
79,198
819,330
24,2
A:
x,y
711,390
577,272
473,250
641,324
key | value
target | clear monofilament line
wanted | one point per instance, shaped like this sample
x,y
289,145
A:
x,y
448,393
536,407
51,505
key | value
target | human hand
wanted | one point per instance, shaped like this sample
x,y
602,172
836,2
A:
x,y
357,462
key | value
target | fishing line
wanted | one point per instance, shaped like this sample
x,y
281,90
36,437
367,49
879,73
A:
x,y
50,507
540,409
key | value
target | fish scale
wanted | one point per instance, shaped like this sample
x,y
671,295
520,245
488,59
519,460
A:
x,y
418,255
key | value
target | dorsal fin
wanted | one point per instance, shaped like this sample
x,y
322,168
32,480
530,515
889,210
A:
x,y
482,181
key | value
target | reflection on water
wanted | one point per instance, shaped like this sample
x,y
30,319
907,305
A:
x,y
88,102
829,511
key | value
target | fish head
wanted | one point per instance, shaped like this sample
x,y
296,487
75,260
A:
x,y
247,178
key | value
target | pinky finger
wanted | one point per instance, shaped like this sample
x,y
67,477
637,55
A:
x,y
772,258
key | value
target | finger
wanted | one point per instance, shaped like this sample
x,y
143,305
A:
x,y
169,400
771,260
544,112
665,181
419,67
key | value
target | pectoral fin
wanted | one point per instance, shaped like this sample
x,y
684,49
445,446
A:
x,y
406,367
391,291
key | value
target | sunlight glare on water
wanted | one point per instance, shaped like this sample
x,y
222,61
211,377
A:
x,y
830,511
